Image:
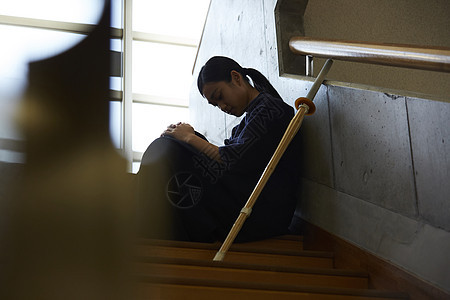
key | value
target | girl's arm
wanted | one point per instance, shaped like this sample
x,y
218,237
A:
x,y
185,132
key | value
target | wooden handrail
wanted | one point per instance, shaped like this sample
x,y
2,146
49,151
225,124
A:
x,y
398,55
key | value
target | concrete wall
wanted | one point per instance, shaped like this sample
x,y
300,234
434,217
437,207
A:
x,y
376,163
415,22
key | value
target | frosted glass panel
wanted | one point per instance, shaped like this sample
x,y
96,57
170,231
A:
x,y
116,45
135,167
12,157
116,13
115,83
184,18
162,70
77,11
115,117
25,44
149,121
11,90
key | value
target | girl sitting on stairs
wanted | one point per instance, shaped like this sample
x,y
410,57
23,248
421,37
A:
x,y
192,190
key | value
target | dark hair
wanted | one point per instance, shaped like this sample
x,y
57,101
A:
x,y
218,68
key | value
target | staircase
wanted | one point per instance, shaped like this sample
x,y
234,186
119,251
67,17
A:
x,y
276,268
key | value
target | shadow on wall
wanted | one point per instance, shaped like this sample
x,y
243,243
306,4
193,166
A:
x,y
66,222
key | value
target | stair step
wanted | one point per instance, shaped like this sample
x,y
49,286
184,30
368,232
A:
x,y
161,287
204,251
285,242
199,269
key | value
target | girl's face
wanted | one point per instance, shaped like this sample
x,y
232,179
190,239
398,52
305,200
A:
x,y
231,97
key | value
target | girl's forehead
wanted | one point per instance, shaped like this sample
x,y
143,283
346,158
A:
x,y
211,89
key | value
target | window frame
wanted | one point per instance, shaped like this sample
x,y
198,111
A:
x,y
121,63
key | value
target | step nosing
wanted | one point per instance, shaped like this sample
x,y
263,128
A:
x,y
292,238
236,249
253,267
268,287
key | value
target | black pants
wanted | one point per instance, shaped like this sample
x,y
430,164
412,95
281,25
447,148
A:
x,y
170,190
179,200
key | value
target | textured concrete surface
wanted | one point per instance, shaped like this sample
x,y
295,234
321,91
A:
x,y
409,243
430,139
416,22
360,149
229,23
316,159
371,148
289,22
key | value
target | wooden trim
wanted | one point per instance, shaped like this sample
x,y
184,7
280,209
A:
x,y
382,274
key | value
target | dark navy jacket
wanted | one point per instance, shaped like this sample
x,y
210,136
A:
x,y
222,189
246,154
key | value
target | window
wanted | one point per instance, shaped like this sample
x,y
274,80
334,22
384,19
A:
x,y
153,46
34,30
165,36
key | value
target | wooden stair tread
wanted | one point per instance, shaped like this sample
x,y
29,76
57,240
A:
x,y
283,242
282,291
277,268
256,274
247,247
290,237
287,237
250,266
286,243
300,258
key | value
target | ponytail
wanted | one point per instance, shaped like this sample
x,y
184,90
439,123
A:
x,y
260,82
218,68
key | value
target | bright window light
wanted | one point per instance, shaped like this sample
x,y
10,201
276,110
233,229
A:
x,y
159,71
115,119
149,121
76,11
116,45
181,18
162,70
27,44
116,13
24,45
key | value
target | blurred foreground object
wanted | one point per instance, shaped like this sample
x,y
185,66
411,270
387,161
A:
x,y
68,221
